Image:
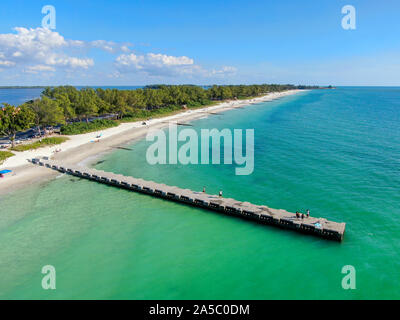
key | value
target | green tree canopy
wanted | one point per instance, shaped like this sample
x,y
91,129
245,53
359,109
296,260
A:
x,y
47,112
87,105
14,119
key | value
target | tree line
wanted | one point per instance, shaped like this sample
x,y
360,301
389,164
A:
x,y
59,105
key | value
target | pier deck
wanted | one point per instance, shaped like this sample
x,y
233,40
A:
x,y
316,226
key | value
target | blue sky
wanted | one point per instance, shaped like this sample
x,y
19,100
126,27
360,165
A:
x,y
202,42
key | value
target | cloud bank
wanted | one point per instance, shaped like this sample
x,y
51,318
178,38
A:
x,y
38,47
154,64
41,50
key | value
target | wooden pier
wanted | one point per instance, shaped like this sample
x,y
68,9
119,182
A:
x,y
316,226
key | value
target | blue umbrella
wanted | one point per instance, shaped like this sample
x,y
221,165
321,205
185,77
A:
x,y
5,171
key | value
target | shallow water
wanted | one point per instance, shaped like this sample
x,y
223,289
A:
x,y
335,152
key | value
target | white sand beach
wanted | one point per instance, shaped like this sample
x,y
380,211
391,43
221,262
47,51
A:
x,y
80,149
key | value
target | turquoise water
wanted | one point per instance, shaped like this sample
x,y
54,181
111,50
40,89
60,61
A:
x,y
335,152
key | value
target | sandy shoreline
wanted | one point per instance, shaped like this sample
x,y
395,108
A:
x,y
79,149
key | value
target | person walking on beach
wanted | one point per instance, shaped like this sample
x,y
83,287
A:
x,y
220,193
204,189
308,213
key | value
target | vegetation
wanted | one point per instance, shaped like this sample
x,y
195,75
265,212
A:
x,y
88,102
65,105
14,119
84,127
47,112
4,155
40,143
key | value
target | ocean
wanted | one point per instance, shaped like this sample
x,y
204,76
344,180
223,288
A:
x,y
18,96
335,152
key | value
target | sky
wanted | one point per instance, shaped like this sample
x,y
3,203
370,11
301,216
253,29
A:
x,y
139,42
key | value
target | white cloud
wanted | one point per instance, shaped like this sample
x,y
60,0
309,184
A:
x,y
38,46
125,48
163,65
36,50
7,63
109,46
226,70
70,62
39,68
164,60
154,64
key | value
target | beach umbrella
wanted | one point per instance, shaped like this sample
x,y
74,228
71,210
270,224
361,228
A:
x,y
5,171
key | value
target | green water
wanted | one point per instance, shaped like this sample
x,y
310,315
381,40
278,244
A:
x,y
335,152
